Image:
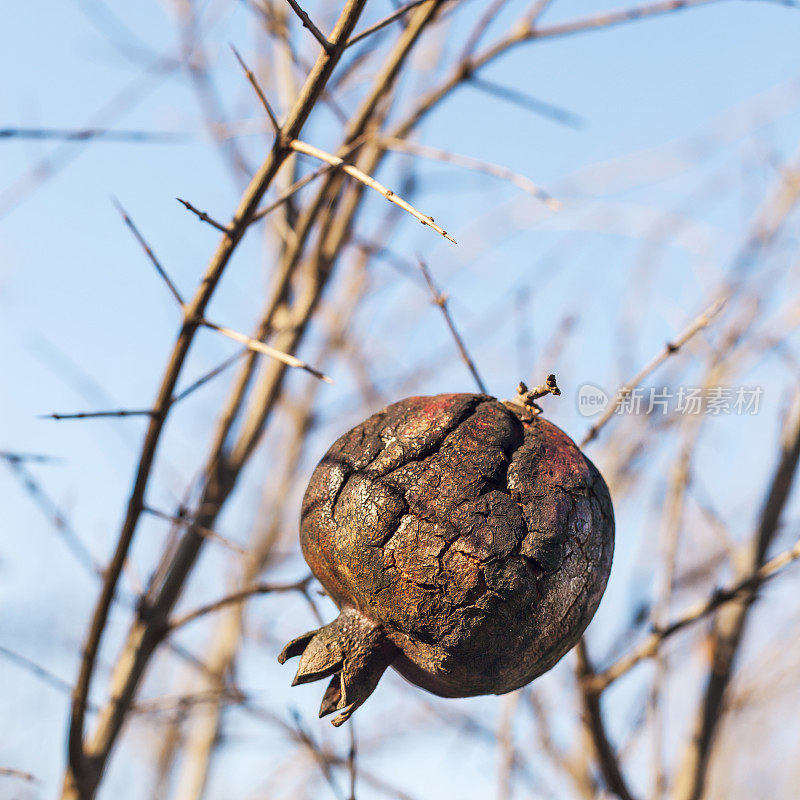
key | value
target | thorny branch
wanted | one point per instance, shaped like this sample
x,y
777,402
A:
x,y
441,300
700,611
87,764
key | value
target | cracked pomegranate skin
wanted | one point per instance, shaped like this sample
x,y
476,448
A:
x,y
466,541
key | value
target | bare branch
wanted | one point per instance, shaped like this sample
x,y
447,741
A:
x,y
526,398
305,180
702,321
9,772
595,725
495,170
440,300
179,519
150,254
354,172
57,518
261,96
203,217
259,347
120,412
505,741
610,18
729,625
86,763
34,458
388,20
292,190
239,597
210,375
700,611
102,134
307,23
466,68
479,30
534,104
36,670
351,762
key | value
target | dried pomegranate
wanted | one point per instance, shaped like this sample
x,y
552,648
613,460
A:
x,y
466,541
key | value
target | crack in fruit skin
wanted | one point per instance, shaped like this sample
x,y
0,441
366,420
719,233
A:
x,y
476,540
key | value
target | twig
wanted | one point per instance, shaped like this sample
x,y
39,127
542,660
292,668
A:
x,y
595,725
670,349
81,552
304,181
238,597
210,375
104,134
184,393
388,20
575,764
195,57
261,96
610,18
324,759
541,107
548,387
259,347
37,670
307,23
160,705
120,412
34,458
495,170
537,9
10,772
478,31
51,164
203,217
441,300
354,172
650,646
201,529
292,190
150,254
58,519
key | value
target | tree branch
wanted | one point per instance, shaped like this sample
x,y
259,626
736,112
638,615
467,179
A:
x,y
307,23
440,300
86,764
729,625
354,172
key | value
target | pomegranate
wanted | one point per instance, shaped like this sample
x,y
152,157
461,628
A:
x,y
466,541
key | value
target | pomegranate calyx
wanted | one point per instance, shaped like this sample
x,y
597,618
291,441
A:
x,y
352,650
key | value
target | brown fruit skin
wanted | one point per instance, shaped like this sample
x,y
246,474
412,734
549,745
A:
x,y
476,536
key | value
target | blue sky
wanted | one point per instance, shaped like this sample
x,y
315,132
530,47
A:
x,y
671,106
